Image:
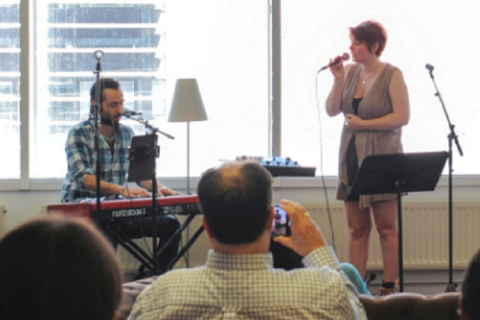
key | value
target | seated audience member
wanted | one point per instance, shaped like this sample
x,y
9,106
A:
x,y
469,300
58,269
238,280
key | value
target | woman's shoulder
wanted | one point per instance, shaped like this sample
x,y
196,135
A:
x,y
392,68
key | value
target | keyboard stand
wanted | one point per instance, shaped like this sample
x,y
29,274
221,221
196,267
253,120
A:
x,y
147,261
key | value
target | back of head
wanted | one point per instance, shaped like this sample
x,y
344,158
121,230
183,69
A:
x,y
371,32
471,288
235,200
58,269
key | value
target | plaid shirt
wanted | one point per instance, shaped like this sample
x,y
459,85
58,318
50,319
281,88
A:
x,y
248,287
81,157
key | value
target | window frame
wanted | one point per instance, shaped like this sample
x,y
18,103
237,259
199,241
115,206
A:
x,y
27,83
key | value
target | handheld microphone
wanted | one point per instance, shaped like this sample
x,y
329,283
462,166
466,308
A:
x,y
344,56
429,67
128,112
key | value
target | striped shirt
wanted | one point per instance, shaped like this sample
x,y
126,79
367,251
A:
x,y
81,158
248,287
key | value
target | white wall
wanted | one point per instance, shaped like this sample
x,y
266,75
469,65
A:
x,y
24,205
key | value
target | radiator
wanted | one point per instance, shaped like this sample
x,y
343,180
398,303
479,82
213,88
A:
x,y
425,237
425,234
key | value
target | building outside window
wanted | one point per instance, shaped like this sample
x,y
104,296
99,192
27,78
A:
x,y
10,89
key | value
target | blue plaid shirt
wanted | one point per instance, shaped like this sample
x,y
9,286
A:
x,y
81,157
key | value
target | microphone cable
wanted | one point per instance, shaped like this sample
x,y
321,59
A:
x,y
325,191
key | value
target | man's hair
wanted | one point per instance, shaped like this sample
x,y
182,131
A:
x,y
471,288
235,200
104,83
57,268
371,32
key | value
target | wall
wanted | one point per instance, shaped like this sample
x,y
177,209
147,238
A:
x,y
24,205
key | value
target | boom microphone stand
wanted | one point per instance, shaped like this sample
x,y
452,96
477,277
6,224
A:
x,y
452,136
98,106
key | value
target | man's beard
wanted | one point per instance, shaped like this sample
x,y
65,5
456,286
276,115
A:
x,y
108,122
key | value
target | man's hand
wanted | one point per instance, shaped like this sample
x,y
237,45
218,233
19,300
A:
x,y
306,235
166,191
162,189
135,192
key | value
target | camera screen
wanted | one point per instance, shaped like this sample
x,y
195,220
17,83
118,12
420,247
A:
x,y
281,223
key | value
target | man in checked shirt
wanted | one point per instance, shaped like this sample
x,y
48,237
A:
x,y
238,280
114,145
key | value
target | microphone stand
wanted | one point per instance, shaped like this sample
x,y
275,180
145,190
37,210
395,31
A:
x,y
98,105
147,125
152,154
451,136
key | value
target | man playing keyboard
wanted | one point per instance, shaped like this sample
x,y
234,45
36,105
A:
x,y
80,181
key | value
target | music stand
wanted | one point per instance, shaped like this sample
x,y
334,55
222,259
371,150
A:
x,y
399,173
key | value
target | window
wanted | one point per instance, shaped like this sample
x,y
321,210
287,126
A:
x,y
67,34
418,33
10,89
147,45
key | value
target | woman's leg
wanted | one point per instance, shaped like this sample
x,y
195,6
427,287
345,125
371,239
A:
x,y
360,225
385,215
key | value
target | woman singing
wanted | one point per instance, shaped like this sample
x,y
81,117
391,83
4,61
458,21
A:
x,y
373,97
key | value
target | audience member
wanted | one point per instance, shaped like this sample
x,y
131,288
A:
x,y
238,280
58,269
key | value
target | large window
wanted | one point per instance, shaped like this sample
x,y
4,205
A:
x,y
10,89
67,33
227,47
442,34
147,46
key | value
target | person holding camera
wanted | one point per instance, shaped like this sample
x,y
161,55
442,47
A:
x,y
238,279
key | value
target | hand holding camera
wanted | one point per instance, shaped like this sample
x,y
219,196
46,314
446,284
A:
x,y
306,236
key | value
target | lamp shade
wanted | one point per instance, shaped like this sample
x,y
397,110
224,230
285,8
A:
x,y
187,102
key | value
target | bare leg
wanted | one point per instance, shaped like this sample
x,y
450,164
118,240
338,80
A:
x,y
385,215
360,225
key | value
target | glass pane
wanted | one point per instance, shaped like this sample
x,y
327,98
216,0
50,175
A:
x,y
416,36
10,89
147,46
67,33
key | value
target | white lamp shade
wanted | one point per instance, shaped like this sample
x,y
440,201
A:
x,y
187,102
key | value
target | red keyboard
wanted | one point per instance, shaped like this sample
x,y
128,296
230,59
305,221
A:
x,y
119,209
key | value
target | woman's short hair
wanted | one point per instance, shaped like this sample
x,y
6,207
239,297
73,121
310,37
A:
x,y
56,269
371,32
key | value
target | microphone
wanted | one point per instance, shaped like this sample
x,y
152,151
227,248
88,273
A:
x,y
344,56
128,112
429,67
98,55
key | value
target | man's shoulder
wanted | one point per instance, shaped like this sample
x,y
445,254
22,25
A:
x,y
171,282
82,126
125,129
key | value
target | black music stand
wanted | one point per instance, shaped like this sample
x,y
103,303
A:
x,y
399,173
143,152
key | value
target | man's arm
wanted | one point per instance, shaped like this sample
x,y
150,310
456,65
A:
x,y
308,241
90,183
79,166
